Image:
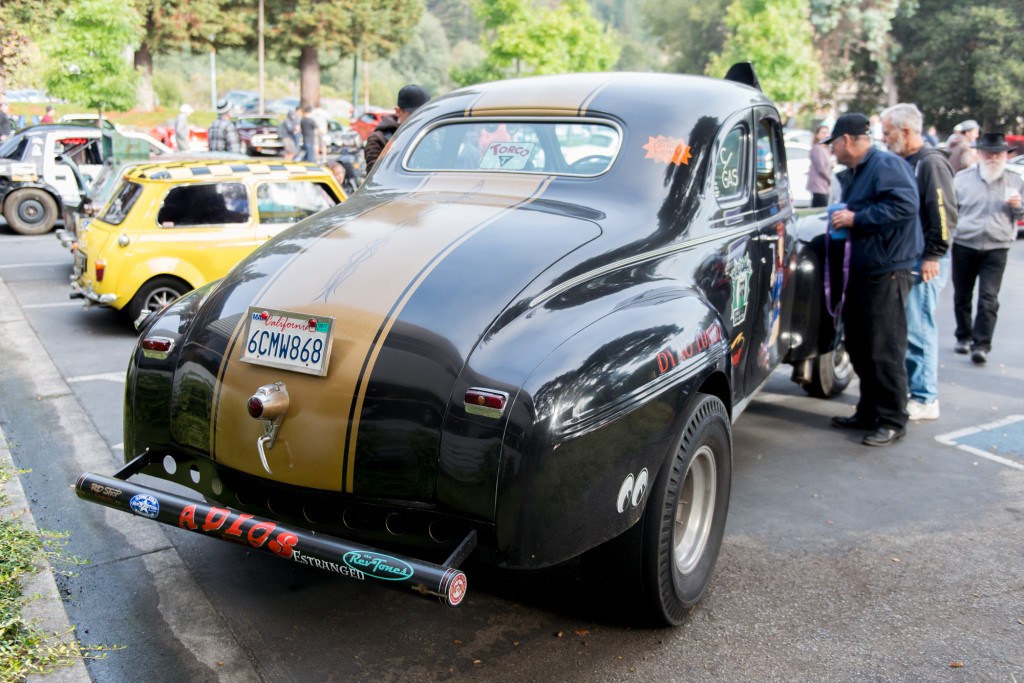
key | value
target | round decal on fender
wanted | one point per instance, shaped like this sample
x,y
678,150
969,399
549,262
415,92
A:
x,y
145,505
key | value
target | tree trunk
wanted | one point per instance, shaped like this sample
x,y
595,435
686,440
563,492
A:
x,y
890,87
144,64
309,77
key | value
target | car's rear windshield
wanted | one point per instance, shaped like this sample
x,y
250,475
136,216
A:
x,y
122,202
551,147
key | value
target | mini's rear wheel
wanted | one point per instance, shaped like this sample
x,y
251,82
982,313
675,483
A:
x,y
155,295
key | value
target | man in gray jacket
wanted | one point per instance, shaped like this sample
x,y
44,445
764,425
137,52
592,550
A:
x,y
901,130
989,198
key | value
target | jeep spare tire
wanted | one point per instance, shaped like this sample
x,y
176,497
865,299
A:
x,y
30,211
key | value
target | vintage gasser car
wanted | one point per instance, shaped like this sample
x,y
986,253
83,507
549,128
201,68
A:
x,y
527,335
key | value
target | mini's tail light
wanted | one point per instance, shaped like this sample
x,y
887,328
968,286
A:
x,y
157,347
485,402
101,267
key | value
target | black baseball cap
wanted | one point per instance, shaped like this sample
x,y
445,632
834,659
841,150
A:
x,y
849,124
412,97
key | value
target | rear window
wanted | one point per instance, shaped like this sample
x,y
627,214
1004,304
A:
x,y
291,202
189,206
576,147
122,203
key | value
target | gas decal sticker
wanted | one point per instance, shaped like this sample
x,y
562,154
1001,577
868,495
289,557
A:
x,y
668,150
739,272
507,156
378,566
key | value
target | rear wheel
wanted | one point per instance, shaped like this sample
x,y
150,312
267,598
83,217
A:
x,y
685,516
30,211
156,294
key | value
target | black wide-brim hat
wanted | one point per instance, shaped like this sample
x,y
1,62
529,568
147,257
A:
x,y
993,142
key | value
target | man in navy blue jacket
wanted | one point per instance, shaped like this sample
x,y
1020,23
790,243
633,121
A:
x,y
881,218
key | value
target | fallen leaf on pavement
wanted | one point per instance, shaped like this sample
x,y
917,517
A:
x,y
581,632
955,665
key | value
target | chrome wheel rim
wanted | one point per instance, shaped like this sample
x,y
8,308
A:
x,y
160,297
695,511
30,211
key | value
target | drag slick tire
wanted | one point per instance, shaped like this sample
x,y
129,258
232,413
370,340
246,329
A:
x,y
30,211
156,294
685,516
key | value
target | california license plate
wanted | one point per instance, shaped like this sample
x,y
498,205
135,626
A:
x,y
287,340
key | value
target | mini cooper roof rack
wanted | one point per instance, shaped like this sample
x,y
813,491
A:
x,y
743,72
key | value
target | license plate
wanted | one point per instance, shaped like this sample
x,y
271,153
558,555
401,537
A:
x,y
290,341
80,259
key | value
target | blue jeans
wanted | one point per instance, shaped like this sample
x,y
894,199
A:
x,y
923,334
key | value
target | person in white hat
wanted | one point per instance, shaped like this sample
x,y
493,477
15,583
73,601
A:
x,y
181,129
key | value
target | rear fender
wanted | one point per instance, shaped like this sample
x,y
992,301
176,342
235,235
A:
x,y
595,422
141,273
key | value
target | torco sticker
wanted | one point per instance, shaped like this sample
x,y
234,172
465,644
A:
x,y
378,566
507,156
145,505
668,150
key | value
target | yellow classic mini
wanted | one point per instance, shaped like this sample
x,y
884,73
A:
x,y
172,227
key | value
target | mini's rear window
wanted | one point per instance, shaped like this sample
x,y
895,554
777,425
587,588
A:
x,y
585,148
121,203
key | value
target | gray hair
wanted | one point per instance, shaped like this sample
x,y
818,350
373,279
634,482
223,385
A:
x,y
904,116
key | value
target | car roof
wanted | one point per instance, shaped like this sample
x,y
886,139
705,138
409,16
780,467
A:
x,y
205,170
63,129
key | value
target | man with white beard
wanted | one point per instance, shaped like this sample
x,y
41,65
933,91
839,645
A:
x,y
990,205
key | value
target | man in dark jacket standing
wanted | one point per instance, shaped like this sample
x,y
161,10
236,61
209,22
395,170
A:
x,y
410,98
885,242
901,129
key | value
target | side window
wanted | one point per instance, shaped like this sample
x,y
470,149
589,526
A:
x,y
121,203
730,165
188,206
766,161
291,202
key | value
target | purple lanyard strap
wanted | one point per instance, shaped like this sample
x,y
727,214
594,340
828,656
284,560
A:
x,y
828,275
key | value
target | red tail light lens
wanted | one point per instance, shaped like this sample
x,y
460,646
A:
x,y
157,347
101,267
255,407
485,402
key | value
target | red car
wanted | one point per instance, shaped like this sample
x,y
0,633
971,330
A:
x,y
258,134
164,132
367,122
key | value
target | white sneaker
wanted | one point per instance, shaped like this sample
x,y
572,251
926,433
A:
x,y
923,411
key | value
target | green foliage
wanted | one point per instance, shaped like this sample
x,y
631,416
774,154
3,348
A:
x,y
424,59
964,62
688,31
775,36
24,649
526,40
91,68
371,28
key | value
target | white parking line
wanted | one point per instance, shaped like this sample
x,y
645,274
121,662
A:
x,y
950,439
106,377
54,305
35,265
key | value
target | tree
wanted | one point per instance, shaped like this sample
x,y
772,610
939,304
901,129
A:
x,y
775,35
366,28
688,31
170,26
92,69
18,18
527,40
964,62
854,38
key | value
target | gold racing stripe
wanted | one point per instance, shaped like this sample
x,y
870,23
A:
x,y
557,98
362,273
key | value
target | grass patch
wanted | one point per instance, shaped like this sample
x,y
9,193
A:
x,y
24,648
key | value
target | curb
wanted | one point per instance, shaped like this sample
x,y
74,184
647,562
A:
x,y
46,611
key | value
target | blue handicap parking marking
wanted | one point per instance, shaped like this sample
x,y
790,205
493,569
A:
x,y
1001,441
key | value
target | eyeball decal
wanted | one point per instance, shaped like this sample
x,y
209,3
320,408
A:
x,y
632,491
625,494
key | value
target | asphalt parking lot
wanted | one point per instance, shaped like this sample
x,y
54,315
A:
x,y
840,562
